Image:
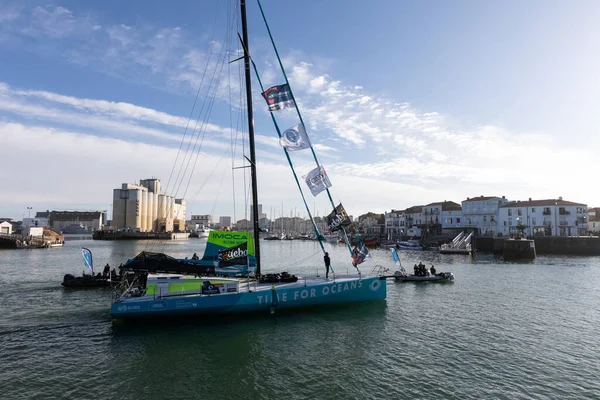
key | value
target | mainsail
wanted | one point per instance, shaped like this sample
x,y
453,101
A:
x,y
224,251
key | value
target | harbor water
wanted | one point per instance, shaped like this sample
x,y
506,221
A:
x,y
500,330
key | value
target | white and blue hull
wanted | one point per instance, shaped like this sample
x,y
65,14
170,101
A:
x,y
260,298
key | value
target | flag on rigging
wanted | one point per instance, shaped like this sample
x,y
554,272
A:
x,y
317,180
279,97
360,252
294,138
87,259
338,218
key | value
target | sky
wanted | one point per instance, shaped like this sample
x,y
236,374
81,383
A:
x,y
405,102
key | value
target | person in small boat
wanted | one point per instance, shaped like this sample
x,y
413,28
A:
x,y
106,271
416,270
195,257
327,264
432,270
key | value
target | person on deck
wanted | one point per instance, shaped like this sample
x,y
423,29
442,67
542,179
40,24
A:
x,y
195,256
327,264
416,270
432,270
106,270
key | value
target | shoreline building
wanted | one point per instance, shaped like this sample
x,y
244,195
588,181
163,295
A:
x,y
551,217
224,222
442,217
144,208
202,220
395,224
594,220
482,213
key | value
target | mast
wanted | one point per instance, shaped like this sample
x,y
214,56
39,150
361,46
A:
x,y
251,136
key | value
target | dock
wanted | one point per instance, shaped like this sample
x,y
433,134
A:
x,y
119,235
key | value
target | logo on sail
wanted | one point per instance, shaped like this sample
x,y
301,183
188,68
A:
x,y
234,256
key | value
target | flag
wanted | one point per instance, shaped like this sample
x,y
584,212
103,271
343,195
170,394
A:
x,y
317,180
234,256
87,259
338,218
294,138
395,257
279,97
360,253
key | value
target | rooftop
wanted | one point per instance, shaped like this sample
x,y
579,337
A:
x,y
547,202
482,198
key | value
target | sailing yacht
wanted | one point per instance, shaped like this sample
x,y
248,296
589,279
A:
x,y
227,279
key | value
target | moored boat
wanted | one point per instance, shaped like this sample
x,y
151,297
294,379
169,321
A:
x,y
422,274
439,277
409,245
89,280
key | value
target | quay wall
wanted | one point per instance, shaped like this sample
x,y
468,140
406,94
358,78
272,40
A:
x,y
569,245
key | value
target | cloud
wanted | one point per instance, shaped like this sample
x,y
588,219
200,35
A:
x,y
365,139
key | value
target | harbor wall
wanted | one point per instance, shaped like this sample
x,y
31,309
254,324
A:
x,y
569,245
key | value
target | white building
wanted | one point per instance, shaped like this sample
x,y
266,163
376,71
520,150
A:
x,y
414,217
201,220
594,220
5,228
552,217
395,224
481,213
145,208
442,215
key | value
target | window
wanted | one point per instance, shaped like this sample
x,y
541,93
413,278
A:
x,y
533,209
458,220
510,222
509,211
533,220
485,218
504,223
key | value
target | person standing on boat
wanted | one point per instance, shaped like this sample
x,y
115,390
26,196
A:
x,y
327,264
432,270
106,270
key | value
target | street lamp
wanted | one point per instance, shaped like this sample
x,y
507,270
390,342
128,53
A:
x,y
29,212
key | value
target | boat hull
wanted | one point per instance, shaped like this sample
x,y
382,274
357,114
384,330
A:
x,y
287,296
441,277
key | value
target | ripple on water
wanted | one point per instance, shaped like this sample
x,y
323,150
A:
x,y
502,331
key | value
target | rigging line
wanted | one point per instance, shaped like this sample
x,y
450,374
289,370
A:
x,y
212,86
201,131
287,155
201,142
195,101
298,111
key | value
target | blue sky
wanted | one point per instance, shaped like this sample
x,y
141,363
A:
x,y
407,102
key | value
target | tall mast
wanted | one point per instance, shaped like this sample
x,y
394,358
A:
x,y
251,136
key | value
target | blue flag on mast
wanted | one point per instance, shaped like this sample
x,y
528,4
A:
x,y
87,259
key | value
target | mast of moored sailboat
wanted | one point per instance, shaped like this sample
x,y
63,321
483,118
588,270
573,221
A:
x,y
251,136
